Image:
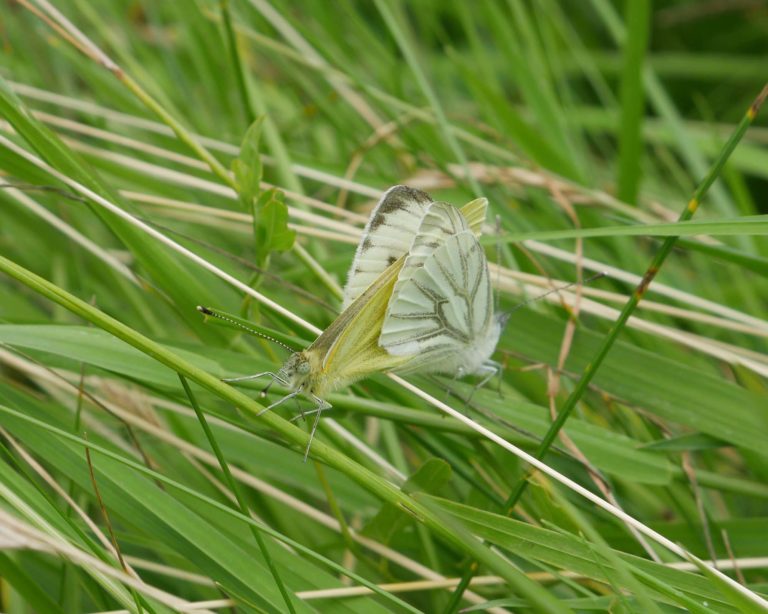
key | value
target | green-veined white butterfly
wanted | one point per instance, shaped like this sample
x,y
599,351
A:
x,y
418,299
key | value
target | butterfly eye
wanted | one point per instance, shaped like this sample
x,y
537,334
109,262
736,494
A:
x,y
303,368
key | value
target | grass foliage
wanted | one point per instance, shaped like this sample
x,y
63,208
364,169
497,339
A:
x,y
133,478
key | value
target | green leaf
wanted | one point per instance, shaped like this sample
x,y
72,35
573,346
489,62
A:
x,y
247,167
13,572
272,231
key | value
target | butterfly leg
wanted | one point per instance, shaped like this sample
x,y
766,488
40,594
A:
x,y
322,406
489,370
246,378
447,389
280,401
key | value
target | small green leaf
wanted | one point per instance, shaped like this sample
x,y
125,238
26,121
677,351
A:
x,y
272,231
247,168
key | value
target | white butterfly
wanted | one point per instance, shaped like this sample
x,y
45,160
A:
x,y
418,299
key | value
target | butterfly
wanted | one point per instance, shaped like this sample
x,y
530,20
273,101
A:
x,y
418,299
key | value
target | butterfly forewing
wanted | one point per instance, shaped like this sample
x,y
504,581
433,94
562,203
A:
x,y
348,349
387,236
390,232
474,212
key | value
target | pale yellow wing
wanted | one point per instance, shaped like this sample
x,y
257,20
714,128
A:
x,y
474,212
349,348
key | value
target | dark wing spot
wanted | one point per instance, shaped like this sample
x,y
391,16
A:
x,y
396,198
376,221
391,260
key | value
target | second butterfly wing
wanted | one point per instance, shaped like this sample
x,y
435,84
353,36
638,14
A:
x,y
441,310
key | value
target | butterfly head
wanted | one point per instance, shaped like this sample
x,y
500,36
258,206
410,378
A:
x,y
296,371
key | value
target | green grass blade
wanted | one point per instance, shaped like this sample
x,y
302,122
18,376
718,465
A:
x,y
638,16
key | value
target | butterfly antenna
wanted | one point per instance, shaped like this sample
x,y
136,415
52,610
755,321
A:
x,y
253,331
594,277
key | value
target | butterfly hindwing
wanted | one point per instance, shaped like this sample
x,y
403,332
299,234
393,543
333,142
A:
x,y
445,309
440,222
